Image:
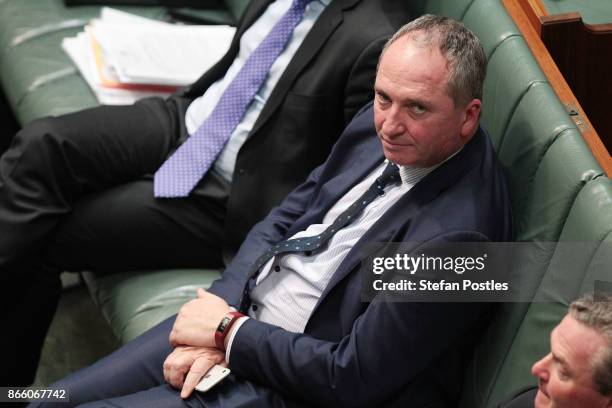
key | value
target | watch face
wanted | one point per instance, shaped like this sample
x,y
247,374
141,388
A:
x,y
223,324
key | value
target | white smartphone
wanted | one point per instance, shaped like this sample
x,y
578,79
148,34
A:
x,y
212,378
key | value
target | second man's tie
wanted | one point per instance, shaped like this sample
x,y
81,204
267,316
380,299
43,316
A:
x,y
183,170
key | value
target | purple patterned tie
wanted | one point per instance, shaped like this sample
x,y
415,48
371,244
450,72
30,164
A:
x,y
182,171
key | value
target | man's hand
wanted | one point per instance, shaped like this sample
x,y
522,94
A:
x,y
197,321
186,366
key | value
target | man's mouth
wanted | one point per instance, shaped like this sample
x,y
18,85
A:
x,y
392,143
541,391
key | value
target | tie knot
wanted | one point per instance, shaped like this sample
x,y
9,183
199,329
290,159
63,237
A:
x,y
389,176
300,4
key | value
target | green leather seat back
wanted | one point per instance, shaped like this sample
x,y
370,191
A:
x,y
546,163
585,248
511,72
236,7
564,169
490,22
455,8
561,174
529,140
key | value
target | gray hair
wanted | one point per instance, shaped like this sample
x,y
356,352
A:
x,y
467,62
597,314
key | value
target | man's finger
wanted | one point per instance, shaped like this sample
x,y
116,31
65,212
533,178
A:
x,y
201,293
177,368
195,374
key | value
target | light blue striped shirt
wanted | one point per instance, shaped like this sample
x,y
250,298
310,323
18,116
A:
x,y
289,287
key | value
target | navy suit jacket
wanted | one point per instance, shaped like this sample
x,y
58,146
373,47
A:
x,y
379,353
524,398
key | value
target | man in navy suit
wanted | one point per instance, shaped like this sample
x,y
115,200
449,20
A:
x,y
76,191
295,330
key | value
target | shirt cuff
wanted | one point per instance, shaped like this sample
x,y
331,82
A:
x,y
235,328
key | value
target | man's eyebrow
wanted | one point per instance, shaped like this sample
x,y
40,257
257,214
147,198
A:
x,y
379,91
407,101
417,101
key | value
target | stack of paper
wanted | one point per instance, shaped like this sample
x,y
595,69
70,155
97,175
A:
x,y
124,57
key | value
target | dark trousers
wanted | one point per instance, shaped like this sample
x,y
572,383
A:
x,y
9,122
76,194
133,377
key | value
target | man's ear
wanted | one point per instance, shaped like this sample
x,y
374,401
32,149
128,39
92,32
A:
x,y
471,116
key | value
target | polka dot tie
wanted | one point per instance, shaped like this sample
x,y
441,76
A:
x,y
389,176
183,170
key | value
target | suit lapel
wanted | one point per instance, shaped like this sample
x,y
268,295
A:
x,y
407,208
325,25
369,156
217,71
251,15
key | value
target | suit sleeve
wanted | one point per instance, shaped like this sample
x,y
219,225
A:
x,y
387,348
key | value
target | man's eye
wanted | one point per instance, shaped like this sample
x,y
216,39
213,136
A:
x,y
418,109
382,98
563,375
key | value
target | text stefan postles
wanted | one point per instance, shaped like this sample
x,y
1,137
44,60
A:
x,y
442,285
411,264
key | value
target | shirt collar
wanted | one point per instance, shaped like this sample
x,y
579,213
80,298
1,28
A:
x,y
412,175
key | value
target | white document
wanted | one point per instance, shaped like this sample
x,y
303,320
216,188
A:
x,y
159,53
77,50
140,51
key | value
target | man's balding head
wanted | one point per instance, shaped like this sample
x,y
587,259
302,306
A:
x,y
467,62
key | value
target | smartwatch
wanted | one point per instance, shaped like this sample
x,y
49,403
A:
x,y
224,327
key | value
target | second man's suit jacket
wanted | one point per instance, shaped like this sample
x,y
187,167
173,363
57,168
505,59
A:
x,y
356,353
330,77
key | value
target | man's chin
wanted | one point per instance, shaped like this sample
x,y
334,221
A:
x,y
399,156
541,400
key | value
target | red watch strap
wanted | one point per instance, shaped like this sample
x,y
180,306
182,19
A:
x,y
224,327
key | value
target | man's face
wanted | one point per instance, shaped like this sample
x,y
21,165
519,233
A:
x,y
565,375
415,117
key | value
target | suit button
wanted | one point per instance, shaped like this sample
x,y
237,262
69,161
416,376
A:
x,y
241,171
277,268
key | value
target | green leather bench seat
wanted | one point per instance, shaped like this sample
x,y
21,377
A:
x,y
38,78
548,166
133,301
588,225
558,192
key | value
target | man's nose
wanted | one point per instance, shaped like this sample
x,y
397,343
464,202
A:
x,y
393,124
541,368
